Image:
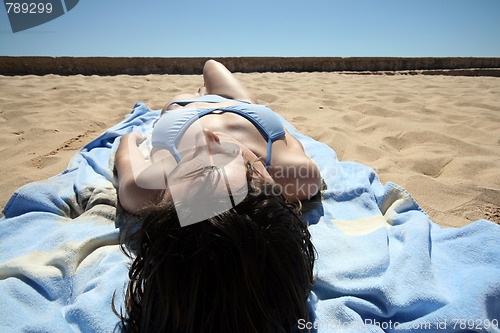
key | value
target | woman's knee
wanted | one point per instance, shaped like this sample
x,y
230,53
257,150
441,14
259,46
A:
x,y
211,64
220,81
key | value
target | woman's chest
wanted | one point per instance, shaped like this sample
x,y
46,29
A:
x,y
238,127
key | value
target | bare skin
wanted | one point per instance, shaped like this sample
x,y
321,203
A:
x,y
290,168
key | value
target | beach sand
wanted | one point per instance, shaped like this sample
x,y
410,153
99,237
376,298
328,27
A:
x,y
437,136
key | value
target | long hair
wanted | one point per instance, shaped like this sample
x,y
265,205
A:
x,y
249,269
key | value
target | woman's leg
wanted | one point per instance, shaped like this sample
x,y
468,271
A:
x,y
220,81
201,91
168,106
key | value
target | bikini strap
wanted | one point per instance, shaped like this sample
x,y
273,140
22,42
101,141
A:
x,y
205,99
268,154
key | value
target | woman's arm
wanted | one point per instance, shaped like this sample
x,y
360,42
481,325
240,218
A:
x,y
294,171
131,165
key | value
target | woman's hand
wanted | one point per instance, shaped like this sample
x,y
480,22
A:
x,y
130,163
133,136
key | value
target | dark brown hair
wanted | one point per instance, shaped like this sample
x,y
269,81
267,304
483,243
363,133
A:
x,y
249,269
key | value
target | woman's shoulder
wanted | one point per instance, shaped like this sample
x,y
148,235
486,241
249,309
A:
x,y
293,169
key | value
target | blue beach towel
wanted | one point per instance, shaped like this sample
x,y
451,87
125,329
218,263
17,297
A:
x,y
383,265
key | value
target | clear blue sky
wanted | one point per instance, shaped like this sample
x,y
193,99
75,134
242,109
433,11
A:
x,y
290,28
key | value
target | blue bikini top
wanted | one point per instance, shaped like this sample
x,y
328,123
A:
x,y
173,123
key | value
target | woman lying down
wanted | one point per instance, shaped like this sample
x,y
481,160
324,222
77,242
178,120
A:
x,y
220,245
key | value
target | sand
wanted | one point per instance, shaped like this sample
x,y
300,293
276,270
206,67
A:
x,y
437,136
